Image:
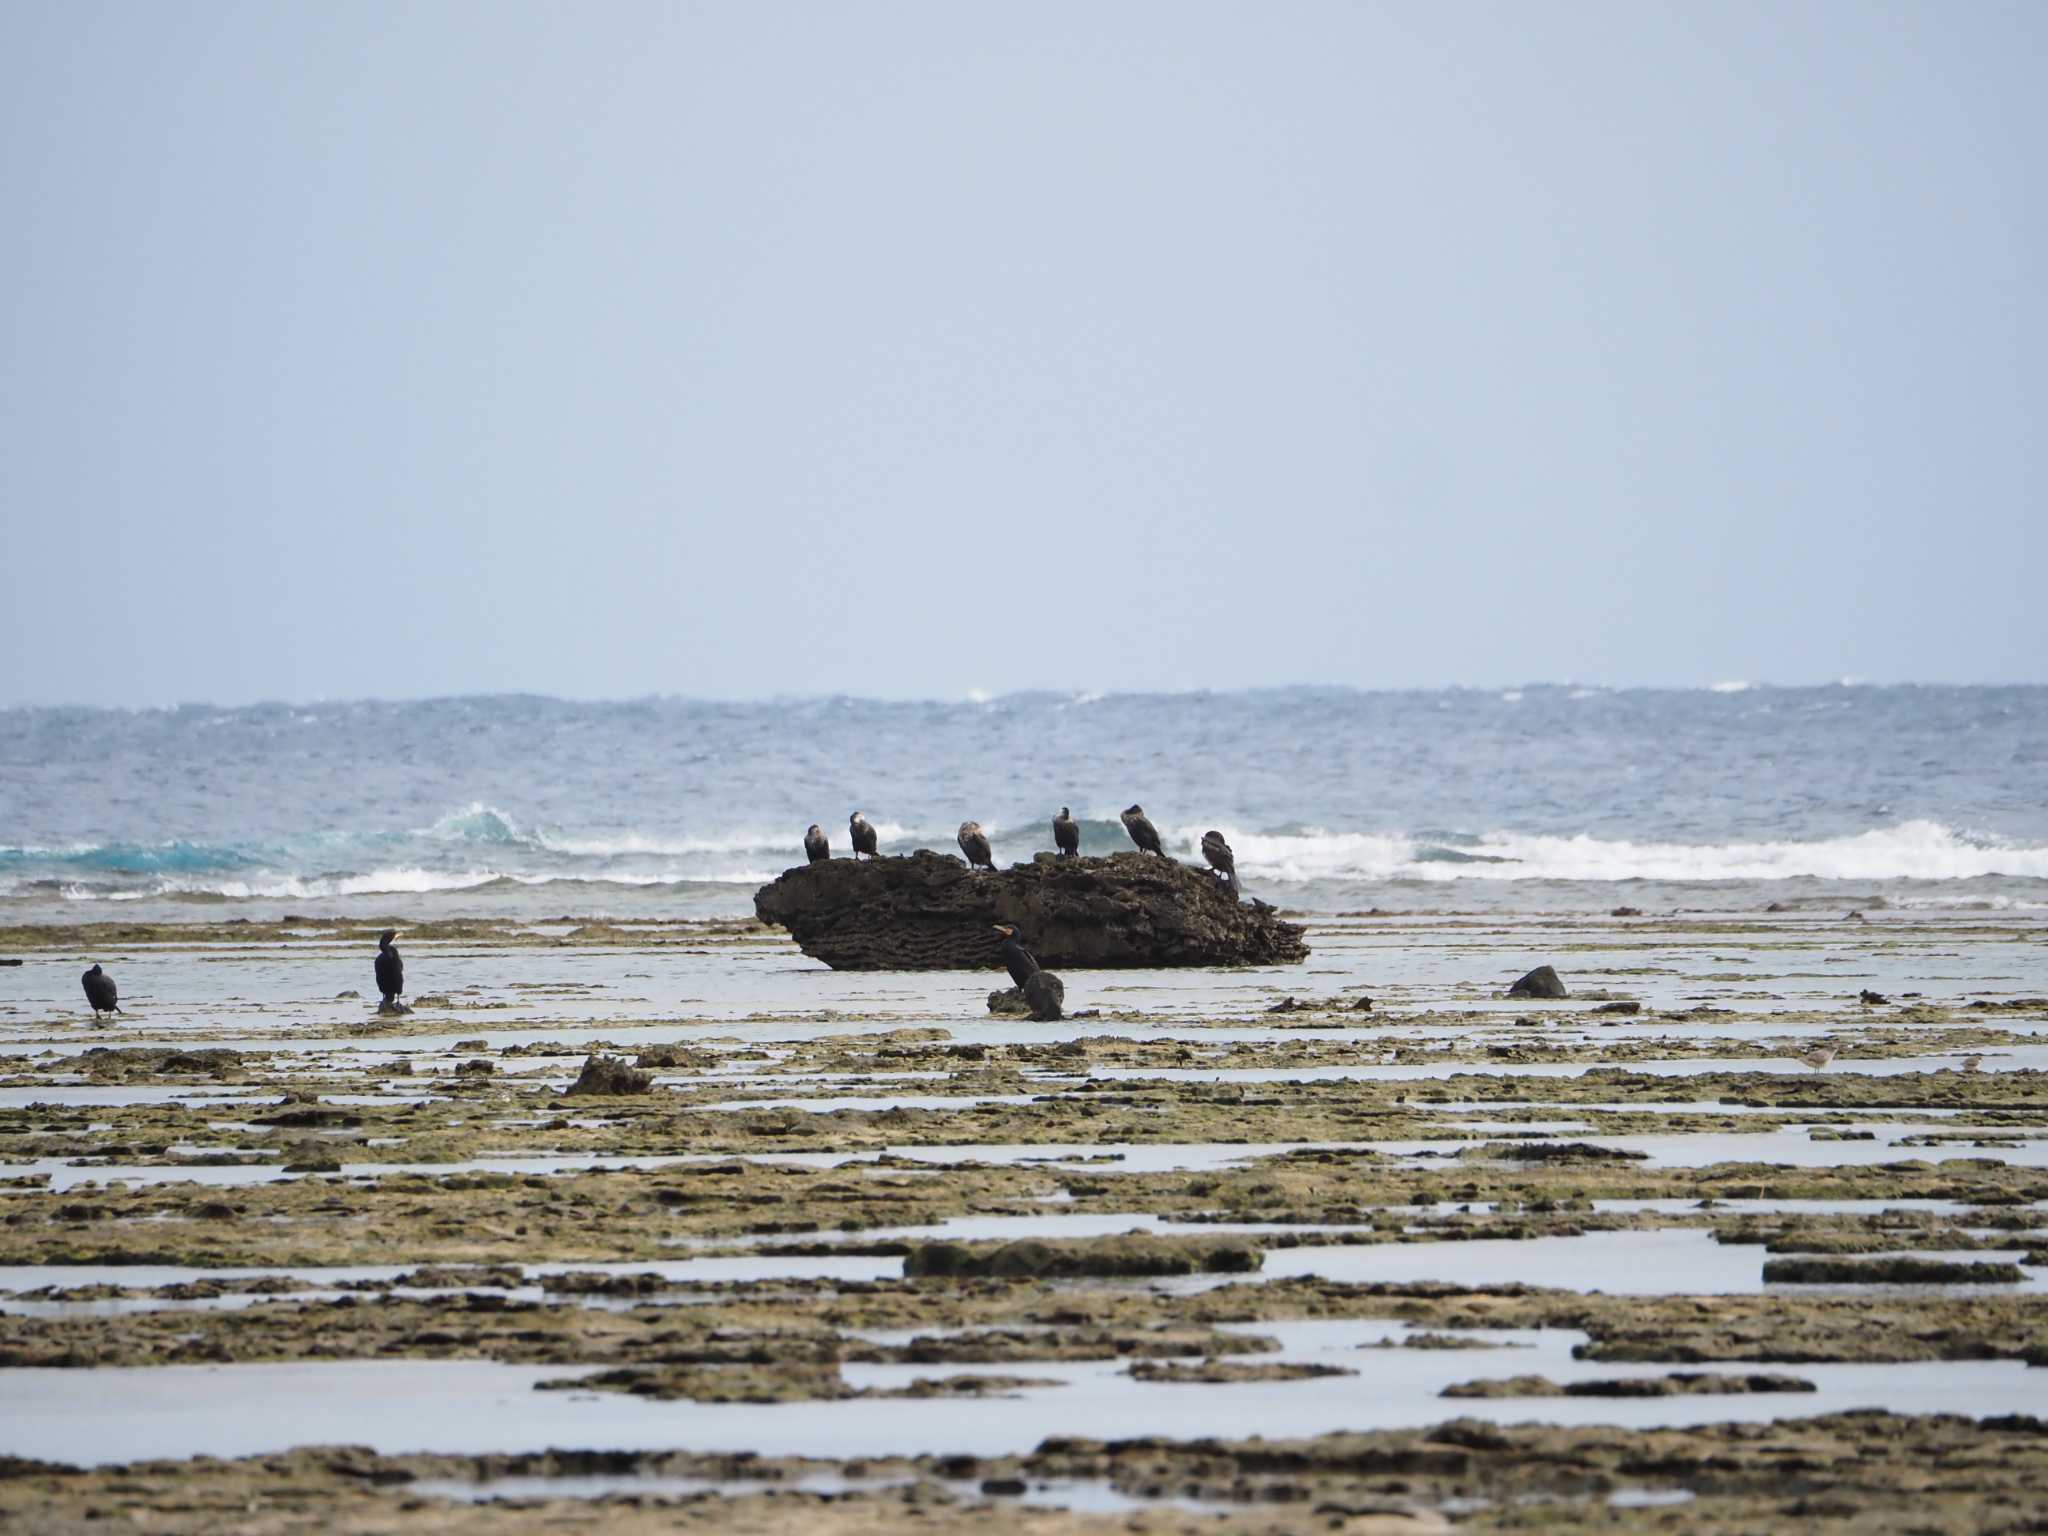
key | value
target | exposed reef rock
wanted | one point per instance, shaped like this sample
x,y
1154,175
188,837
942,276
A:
x,y
607,1074
1541,982
1018,1002
929,912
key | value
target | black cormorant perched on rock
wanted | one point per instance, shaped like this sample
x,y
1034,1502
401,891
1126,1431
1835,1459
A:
x,y
1143,833
1015,955
1066,833
390,970
815,846
101,992
1218,853
863,835
974,843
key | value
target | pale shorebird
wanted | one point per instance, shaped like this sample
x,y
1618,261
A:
x,y
1972,1063
1819,1057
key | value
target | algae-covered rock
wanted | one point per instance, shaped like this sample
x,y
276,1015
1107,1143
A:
x,y
1134,1254
608,1074
1223,1371
1676,1384
1892,1271
929,912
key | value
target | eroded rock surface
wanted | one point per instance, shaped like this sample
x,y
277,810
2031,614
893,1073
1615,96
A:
x,y
929,912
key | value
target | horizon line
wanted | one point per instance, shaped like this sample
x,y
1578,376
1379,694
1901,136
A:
x,y
982,697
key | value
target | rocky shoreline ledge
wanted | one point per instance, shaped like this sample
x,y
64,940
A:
x,y
929,912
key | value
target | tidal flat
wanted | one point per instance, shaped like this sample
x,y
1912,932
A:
x,y
856,1253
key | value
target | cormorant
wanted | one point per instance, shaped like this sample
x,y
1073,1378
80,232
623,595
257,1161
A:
x,y
101,992
390,970
815,845
1218,853
1066,833
1015,955
974,843
1143,833
863,835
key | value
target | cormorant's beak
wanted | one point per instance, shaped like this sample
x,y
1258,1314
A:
x,y
1002,930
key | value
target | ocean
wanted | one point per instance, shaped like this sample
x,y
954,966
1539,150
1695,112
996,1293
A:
x,y
1524,800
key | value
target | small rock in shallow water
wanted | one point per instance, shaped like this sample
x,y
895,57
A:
x,y
1872,999
1541,982
608,1074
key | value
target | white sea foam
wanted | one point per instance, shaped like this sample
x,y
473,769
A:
x,y
1730,687
1913,850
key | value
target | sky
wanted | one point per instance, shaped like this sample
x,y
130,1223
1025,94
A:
x,y
908,349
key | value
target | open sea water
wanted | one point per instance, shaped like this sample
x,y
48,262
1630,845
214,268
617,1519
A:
x,y
1532,799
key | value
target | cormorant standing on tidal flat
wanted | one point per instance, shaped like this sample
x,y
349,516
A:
x,y
1143,833
1015,955
390,970
101,992
974,843
863,835
815,846
1218,853
1066,833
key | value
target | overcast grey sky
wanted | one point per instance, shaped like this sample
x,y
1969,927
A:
x,y
906,349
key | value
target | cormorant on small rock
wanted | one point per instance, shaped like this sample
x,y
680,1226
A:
x,y
1218,853
1066,833
1015,955
974,843
101,992
1045,992
815,846
863,835
390,971
1143,833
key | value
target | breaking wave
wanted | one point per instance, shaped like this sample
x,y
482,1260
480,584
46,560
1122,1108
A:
x,y
1913,850
480,846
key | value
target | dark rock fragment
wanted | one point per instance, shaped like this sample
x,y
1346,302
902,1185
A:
x,y
608,1074
1541,982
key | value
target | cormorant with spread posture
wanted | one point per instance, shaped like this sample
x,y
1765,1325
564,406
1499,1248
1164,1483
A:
x,y
1066,832
390,970
1143,833
1015,955
815,845
1218,853
101,992
974,843
863,835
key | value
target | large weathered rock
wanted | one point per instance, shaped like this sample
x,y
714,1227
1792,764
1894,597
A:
x,y
929,912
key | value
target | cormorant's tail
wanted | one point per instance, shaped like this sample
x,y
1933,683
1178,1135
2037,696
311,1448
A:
x,y
1235,888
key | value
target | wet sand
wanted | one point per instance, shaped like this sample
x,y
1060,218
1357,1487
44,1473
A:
x,y
861,1250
